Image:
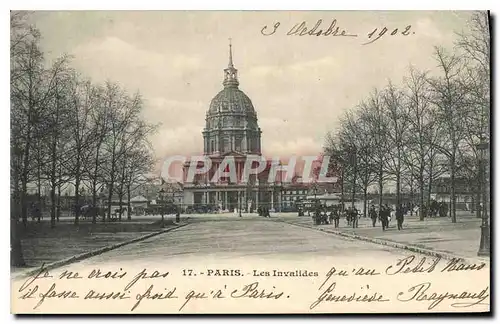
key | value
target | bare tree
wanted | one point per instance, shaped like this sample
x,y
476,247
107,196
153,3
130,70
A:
x,y
333,148
99,125
475,42
84,100
397,117
448,96
421,135
57,118
373,116
139,162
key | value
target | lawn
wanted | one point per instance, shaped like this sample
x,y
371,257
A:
x,y
43,244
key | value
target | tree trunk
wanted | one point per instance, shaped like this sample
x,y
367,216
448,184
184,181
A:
x,y
398,190
111,183
365,195
478,195
94,189
129,214
398,181
421,198
16,252
120,201
121,193
39,192
411,195
380,189
53,206
77,191
110,196
58,211
342,189
24,182
53,185
453,209
431,176
354,182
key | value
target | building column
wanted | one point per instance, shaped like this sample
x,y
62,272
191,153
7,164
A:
x,y
272,199
244,142
279,201
257,199
225,200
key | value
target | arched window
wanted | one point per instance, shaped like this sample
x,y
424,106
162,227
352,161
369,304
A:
x,y
226,144
238,143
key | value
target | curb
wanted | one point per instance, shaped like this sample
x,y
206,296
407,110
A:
x,y
397,245
86,255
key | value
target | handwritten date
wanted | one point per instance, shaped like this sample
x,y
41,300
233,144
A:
x,y
334,30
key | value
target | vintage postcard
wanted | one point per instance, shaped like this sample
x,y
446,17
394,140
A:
x,y
250,162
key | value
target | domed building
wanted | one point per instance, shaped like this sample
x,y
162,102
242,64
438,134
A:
x,y
231,121
231,130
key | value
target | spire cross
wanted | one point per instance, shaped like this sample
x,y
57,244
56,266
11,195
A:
x,y
230,54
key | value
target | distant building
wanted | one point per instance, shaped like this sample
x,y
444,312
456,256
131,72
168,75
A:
x,y
294,193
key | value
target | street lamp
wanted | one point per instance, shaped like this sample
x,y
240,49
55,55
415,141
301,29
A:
x,y
161,196
484,246
239,200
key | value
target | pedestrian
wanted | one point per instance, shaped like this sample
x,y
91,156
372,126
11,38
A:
x,y
348,212
373,215
354,217
383,214
336,217
399,217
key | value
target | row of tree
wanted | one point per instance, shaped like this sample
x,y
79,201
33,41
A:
x,y
69,132
411,134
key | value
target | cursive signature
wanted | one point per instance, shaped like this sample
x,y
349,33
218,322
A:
x,y
411,265
421,293
329,296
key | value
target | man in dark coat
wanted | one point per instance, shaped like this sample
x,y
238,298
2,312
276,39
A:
x,y
399,217
384,216
373,215
354,217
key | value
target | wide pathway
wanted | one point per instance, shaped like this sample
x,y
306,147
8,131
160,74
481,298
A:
x,y
241,238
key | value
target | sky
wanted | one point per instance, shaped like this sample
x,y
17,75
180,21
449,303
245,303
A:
x,y
299,85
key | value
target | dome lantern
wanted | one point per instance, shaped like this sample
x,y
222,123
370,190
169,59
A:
x,y
230,73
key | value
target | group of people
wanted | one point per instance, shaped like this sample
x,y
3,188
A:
x,y
331,215
263,211
435,209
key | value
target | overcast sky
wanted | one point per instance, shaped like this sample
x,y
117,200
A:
x,y
299,85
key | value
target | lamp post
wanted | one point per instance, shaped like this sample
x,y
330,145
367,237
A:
x,y
161,195
484,246
315,191
239,203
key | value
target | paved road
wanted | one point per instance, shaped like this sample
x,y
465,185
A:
x,y
194,258
238,238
